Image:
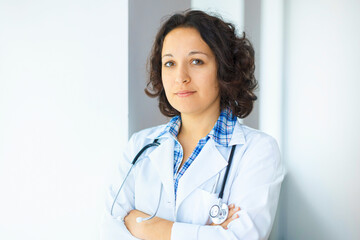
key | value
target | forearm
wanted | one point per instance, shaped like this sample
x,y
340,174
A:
x,y
158,229
112,228
153,229
241,228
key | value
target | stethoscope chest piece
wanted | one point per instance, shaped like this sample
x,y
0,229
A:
x,y
219,213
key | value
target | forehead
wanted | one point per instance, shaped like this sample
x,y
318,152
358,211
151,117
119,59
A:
x,y
184,39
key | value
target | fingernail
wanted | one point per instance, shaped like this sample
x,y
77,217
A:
x,y
232,205
235,216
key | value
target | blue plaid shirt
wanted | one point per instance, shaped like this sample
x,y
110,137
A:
x,y
221,133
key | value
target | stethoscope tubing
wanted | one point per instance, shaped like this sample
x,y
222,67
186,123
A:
x,y
118,192
155,144
227,172
140,219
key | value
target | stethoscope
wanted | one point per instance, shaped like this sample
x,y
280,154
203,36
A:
x,y
218,212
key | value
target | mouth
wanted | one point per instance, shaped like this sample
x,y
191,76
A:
x,y
184,93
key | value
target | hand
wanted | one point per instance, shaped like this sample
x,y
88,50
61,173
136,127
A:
x,y
232,216
156,228
135,228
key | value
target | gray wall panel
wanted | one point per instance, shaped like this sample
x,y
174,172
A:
x,y
144,21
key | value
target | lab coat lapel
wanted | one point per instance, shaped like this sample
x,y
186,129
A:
x,y
206,165
162,159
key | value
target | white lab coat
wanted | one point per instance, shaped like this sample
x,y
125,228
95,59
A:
x,y
253,183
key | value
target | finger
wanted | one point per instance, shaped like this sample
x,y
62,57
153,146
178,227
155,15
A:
x,y
233,211
231,216
231,208
229,220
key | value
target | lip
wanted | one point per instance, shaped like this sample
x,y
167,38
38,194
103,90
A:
x,y
184,93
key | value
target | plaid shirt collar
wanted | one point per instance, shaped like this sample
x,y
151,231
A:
x,y
221,132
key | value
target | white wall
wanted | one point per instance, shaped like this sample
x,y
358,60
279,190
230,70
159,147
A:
x,y
271,68
63,114
321,193
230,10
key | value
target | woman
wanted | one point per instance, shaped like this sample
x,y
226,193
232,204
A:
x,y
203,76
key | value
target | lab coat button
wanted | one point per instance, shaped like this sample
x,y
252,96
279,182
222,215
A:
x,y
169,204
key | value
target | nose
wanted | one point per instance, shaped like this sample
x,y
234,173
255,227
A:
x,y
182,75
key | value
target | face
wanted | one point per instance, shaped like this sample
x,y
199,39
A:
x,y
189,73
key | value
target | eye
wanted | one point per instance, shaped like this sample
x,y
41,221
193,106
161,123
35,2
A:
x,y
169,64
197,62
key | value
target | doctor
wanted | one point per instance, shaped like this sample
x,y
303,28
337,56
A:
x,y
203,76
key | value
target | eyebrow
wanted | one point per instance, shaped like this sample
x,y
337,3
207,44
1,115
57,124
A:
x,y
167,55
190,53
196,52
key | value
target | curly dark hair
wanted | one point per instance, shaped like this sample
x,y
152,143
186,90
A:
x,y
234,58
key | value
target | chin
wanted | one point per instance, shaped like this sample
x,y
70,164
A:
x,y
184,109
188,110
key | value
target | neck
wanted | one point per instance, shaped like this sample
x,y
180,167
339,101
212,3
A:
x,y
198,125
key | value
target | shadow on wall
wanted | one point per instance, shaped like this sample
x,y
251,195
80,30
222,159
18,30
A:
x,y
303,214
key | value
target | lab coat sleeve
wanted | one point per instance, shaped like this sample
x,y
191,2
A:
x,y
256,189
113,227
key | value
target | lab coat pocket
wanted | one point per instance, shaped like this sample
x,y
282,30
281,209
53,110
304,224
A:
x,y
206,201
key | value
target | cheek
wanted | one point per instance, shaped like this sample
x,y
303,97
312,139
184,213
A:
x,y
213,90
165,84
167,87
211,85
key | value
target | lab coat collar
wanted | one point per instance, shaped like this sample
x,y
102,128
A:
x,y
155,134
207,164
237,137
162,159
